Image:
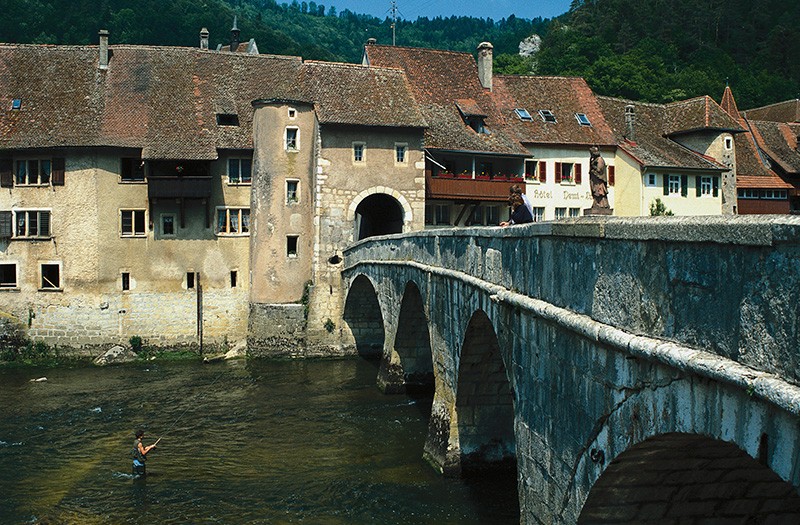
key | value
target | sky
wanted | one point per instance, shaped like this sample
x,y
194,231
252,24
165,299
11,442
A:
x,y
495,9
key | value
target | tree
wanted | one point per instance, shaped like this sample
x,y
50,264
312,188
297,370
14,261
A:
x,y
659,209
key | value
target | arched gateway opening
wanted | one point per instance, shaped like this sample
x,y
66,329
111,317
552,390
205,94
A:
x,y
362,317
378,214
485,412
686,478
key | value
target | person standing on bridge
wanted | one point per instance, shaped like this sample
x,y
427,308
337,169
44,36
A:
x,y
519,212
139,452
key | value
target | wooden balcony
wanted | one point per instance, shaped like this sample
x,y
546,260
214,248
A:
x,y
187,187
460,187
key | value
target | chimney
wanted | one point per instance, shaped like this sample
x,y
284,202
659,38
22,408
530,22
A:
x,y
103,64
372,41
204,38
234,36
485,64
630,122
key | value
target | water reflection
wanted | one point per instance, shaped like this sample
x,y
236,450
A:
x,y
243,442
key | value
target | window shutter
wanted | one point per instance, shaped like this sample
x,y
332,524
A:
x,y
715,182
577,173
44,224
684,185
58,171
542,171
611,175
6,173
6,225
558,173
666,184
698,183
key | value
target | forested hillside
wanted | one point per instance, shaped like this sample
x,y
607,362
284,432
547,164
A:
x,y
654,50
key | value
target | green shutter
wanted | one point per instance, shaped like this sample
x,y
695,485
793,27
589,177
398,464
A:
x,y
684,185
715,182
6,173
666,183
698,182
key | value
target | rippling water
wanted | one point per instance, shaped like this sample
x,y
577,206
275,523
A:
x,y
243,442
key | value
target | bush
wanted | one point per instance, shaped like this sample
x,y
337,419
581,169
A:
x,y
136,343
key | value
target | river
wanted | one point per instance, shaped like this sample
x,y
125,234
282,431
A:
x,y
243,442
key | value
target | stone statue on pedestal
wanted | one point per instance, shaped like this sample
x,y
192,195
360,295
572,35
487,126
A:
x,y
598,178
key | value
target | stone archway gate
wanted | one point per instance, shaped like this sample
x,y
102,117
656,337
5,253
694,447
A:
x,y
613,331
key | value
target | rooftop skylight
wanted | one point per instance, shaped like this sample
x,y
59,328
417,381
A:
x,y
16,103
523,115
227,119
583,120
547,115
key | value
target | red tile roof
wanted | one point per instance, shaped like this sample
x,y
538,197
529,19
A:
x,y
779,141
786,111
728,104
652,146
439,78
697,114
564,97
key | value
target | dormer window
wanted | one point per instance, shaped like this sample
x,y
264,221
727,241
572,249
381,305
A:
x,y
292,113
16,104
477,124
227,119
547,115
523,115
583,120
472,114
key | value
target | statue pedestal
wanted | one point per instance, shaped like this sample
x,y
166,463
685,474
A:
x,y
598,211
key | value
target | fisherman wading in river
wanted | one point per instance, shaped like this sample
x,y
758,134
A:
x,y
139,452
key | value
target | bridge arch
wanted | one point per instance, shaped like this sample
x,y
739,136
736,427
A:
x,y
379,211
408,367
362,317
674,477
484,401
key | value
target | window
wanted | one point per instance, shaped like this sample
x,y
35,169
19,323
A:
x,y
131,170
50,276
530,170
33,172
292,197
651,179
292,113
291,245
441,214
16,103
561,213
674,184
567,174
239,171
234,278
574,212
358,151
132,223
728,143
706,186
478,125
492,215
547,115
523,115
538,214
747,193
583,120
476,217
400,151
292,139
191,279
168,225
486,169
774,194
8,275
126,281
227,119
233,221
32,224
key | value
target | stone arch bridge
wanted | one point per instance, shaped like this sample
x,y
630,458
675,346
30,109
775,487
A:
x,y
628,370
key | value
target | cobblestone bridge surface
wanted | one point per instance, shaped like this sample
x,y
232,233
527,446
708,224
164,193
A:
x,y
632,370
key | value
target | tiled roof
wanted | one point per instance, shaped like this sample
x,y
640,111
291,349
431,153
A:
x,y
764,183
161,99
786,111
564,97
361,95
697,114
728,104
439,78
779,141
652,147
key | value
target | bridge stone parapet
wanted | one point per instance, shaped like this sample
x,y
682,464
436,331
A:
x,y
621,341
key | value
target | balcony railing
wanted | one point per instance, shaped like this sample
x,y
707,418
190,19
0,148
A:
x,y
179,187
464,187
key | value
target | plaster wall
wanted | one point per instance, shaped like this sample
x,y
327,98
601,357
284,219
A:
x,y
722,148
629,190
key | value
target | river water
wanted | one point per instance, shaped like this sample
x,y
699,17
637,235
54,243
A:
x,y
251,442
